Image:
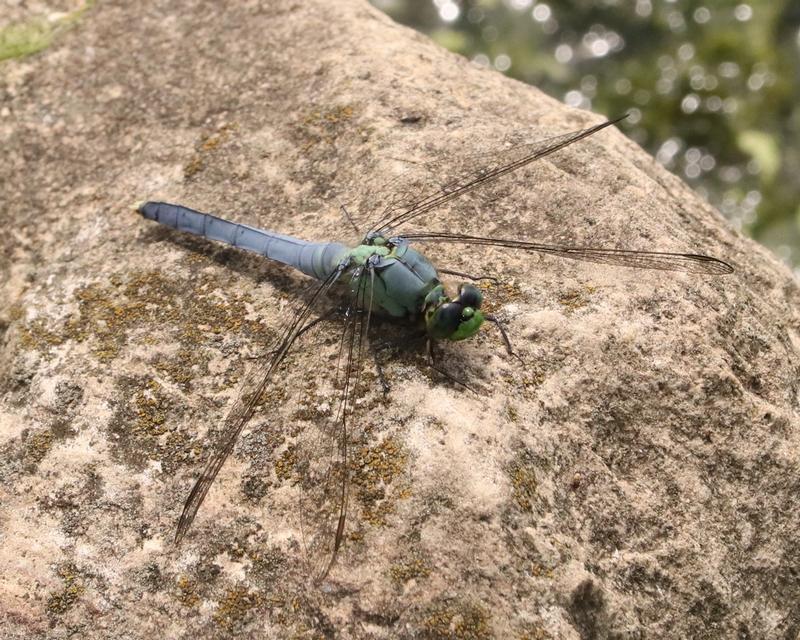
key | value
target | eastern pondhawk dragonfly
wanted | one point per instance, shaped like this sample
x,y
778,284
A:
x,y
385,276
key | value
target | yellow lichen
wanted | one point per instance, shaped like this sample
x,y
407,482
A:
x,y
321,125
497,294
37,446
36,335
523,484
410,569
286,463
208,143
575,299
332,115
540,571
455,620
150,407
534,633
61,601
189,309
187,594
234,607
374,470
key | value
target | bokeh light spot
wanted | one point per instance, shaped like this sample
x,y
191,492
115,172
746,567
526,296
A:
x,y
690,103
449,11
541,13
502,62
563,53
743,12
702,15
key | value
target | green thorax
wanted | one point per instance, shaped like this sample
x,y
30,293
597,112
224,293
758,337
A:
x,y
401,281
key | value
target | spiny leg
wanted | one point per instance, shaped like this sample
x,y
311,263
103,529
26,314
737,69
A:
x,y
450,377
325,316
378,347
349,219
321,318
379,367
450,272
499,324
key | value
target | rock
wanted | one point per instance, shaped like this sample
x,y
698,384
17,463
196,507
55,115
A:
x,y
637,477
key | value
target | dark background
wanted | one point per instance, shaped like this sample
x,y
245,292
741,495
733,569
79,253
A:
x,y
712,88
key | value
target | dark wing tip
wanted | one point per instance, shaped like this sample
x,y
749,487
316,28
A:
x,y
187,516
710,265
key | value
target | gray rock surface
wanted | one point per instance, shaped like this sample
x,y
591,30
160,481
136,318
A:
x,y
638,478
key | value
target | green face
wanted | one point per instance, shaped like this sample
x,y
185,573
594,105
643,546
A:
x,y
455,319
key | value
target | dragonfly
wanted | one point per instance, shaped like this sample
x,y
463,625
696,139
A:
x,y
384,275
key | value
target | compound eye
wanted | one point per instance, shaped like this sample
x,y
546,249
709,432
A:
x,y
470,296
448,317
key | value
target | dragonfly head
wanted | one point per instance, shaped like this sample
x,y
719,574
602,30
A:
x,y
453,319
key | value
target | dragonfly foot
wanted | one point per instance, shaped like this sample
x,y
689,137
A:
x,y
381,375
499,324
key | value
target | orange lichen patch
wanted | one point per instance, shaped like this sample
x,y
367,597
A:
x,y
375,471
208,143
497,294
150,405
188,309
61,601
286,463
178,367
523,482
322,125
410,569
187,592
456,620
576,298
333,115
36,335
235,606
37,446
539,571
534,633
143,425
105,313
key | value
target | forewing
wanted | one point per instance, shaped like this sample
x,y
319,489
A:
x,y
430,185
664,261
256,383
327,464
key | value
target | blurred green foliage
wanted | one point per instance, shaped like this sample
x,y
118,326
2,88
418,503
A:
x,y
26,37
713,87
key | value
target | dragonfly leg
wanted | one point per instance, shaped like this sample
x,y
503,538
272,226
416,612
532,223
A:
x,y
379,367
450,272
499,324
325,316
321,318
439,370
349,218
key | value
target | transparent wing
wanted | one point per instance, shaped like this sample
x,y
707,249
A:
x,y
429,186
253,388
665,261
327,465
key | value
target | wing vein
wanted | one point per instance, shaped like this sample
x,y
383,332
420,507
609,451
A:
x,y
244,408
458,187
660,260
